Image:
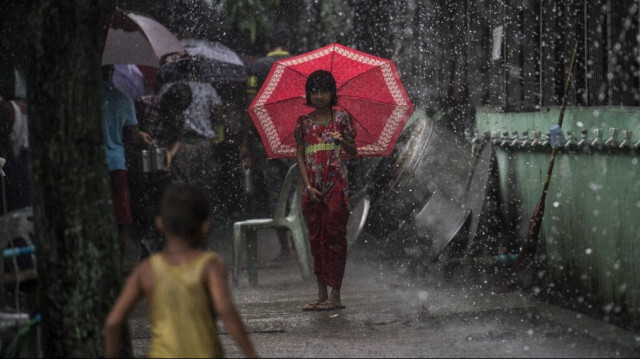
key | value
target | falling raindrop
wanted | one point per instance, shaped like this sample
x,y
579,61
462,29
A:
x,y
594,186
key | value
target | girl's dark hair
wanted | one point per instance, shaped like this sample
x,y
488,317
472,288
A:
x,y
321,80
183,210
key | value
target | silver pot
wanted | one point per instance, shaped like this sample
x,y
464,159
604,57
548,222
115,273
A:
x,y
159,158
153,159
146,163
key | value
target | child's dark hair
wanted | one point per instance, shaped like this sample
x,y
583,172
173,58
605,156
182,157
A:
x,y
278,37
321,80
184,210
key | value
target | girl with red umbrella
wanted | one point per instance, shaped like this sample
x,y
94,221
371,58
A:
x,y
320,137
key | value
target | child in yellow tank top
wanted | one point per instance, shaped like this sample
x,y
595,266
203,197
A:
x,y
186,288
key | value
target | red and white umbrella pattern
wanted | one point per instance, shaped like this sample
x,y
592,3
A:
x,y
369,89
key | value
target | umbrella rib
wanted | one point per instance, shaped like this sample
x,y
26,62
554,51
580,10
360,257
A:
x,y
333,54
355,77
296,71
370,100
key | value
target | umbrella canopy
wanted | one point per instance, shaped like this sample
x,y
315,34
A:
x,y
369,89
137,39
129,80
208,61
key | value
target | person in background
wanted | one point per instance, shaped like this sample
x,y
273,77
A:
x,y
119,125
458,114
267,174
185,288
197,161
230,185
163,118
321,136
14,148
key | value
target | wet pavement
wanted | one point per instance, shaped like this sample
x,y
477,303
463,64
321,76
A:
x,y
391,314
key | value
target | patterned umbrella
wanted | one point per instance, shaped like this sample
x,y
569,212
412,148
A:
x,y
369,89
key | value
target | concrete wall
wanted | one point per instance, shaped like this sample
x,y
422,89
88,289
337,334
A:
x,y
590,239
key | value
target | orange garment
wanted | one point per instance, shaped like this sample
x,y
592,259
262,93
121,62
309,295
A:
x,y
182,314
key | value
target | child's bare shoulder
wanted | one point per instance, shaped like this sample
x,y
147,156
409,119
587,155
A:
x,y
215,261
142,270
214,258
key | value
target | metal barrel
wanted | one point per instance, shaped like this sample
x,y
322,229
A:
x,y
429,161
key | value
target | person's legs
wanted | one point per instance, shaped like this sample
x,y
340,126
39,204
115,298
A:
x,y
122,208
323,295
283,238
322,291
124,235
334,297
333,249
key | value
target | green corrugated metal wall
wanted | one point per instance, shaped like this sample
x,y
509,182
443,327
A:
x,y
590,239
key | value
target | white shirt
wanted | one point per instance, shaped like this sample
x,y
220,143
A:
x,y
19,137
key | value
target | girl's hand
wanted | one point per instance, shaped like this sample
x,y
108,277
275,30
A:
x,y
337,137
314,194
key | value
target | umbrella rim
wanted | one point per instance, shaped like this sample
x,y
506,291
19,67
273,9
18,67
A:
x,y
210,43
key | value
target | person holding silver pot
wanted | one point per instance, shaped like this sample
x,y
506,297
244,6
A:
x,y
162,117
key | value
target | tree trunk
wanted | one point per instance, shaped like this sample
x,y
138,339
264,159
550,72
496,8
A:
x,y
79,272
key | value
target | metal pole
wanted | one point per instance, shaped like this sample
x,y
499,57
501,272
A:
x,y
4,197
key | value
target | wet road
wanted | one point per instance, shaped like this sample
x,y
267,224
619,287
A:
x,y
389,314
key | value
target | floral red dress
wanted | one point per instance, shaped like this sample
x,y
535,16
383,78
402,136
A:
x,y
327,219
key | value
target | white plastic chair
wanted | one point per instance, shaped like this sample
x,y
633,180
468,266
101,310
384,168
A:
x,y
246,231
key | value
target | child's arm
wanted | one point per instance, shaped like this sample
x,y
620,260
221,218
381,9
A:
x,y
116,318
216,277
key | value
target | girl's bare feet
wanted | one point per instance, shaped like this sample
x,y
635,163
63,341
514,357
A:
x,y
315,303
334,297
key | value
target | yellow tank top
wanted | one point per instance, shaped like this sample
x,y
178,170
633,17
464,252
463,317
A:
x,y
182,315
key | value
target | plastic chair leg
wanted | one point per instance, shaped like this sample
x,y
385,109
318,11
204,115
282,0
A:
x,y
302,249
252,255
237,245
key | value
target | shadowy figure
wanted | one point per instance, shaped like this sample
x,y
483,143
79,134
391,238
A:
x,y
162,117
320,137
230,185
186,288
458,114
14,148
267,174
197,161
120,125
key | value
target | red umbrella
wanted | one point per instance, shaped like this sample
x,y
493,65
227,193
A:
x,y
369,89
